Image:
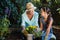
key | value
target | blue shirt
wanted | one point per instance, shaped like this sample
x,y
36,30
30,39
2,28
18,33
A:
x,y
26,22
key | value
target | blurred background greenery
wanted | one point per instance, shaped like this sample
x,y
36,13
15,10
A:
x,y
11,11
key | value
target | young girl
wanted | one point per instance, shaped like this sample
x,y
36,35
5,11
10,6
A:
x,y
46,24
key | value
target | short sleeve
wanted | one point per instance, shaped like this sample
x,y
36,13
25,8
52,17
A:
x,y
41,20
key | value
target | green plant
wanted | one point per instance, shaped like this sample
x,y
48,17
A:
x,y
58,10
4,24
34,30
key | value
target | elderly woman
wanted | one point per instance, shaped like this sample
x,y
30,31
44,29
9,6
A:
x,y
29,17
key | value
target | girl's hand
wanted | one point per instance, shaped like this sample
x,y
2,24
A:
x,y
46,37
38,29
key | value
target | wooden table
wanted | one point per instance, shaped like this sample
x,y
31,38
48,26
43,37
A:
x,y
56,30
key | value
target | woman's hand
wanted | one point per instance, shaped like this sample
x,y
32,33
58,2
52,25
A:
x,y
23,28
25,32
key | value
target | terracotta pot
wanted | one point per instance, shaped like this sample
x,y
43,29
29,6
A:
x,y
29,36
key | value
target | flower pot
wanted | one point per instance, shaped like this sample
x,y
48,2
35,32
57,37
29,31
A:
x,y
29,36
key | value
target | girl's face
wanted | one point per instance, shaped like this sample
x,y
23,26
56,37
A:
x,y
43,13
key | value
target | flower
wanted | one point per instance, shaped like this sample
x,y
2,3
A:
x,y
30,29
27,29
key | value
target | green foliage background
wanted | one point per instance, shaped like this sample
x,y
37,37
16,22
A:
x,y
11,11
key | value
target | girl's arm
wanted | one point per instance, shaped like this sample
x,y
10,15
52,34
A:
x,y
49,27
41,25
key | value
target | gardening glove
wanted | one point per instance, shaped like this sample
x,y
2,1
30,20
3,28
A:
x,y
25,32
46,37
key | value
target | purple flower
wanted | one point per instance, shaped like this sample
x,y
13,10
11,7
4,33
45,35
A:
x,y
7,11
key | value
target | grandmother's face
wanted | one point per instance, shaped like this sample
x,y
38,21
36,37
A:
x,y
29,8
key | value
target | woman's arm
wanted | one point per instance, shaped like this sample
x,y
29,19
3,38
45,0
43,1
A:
x,y
49,27
23,23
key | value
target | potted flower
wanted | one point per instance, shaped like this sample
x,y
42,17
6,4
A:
x,y
32,32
